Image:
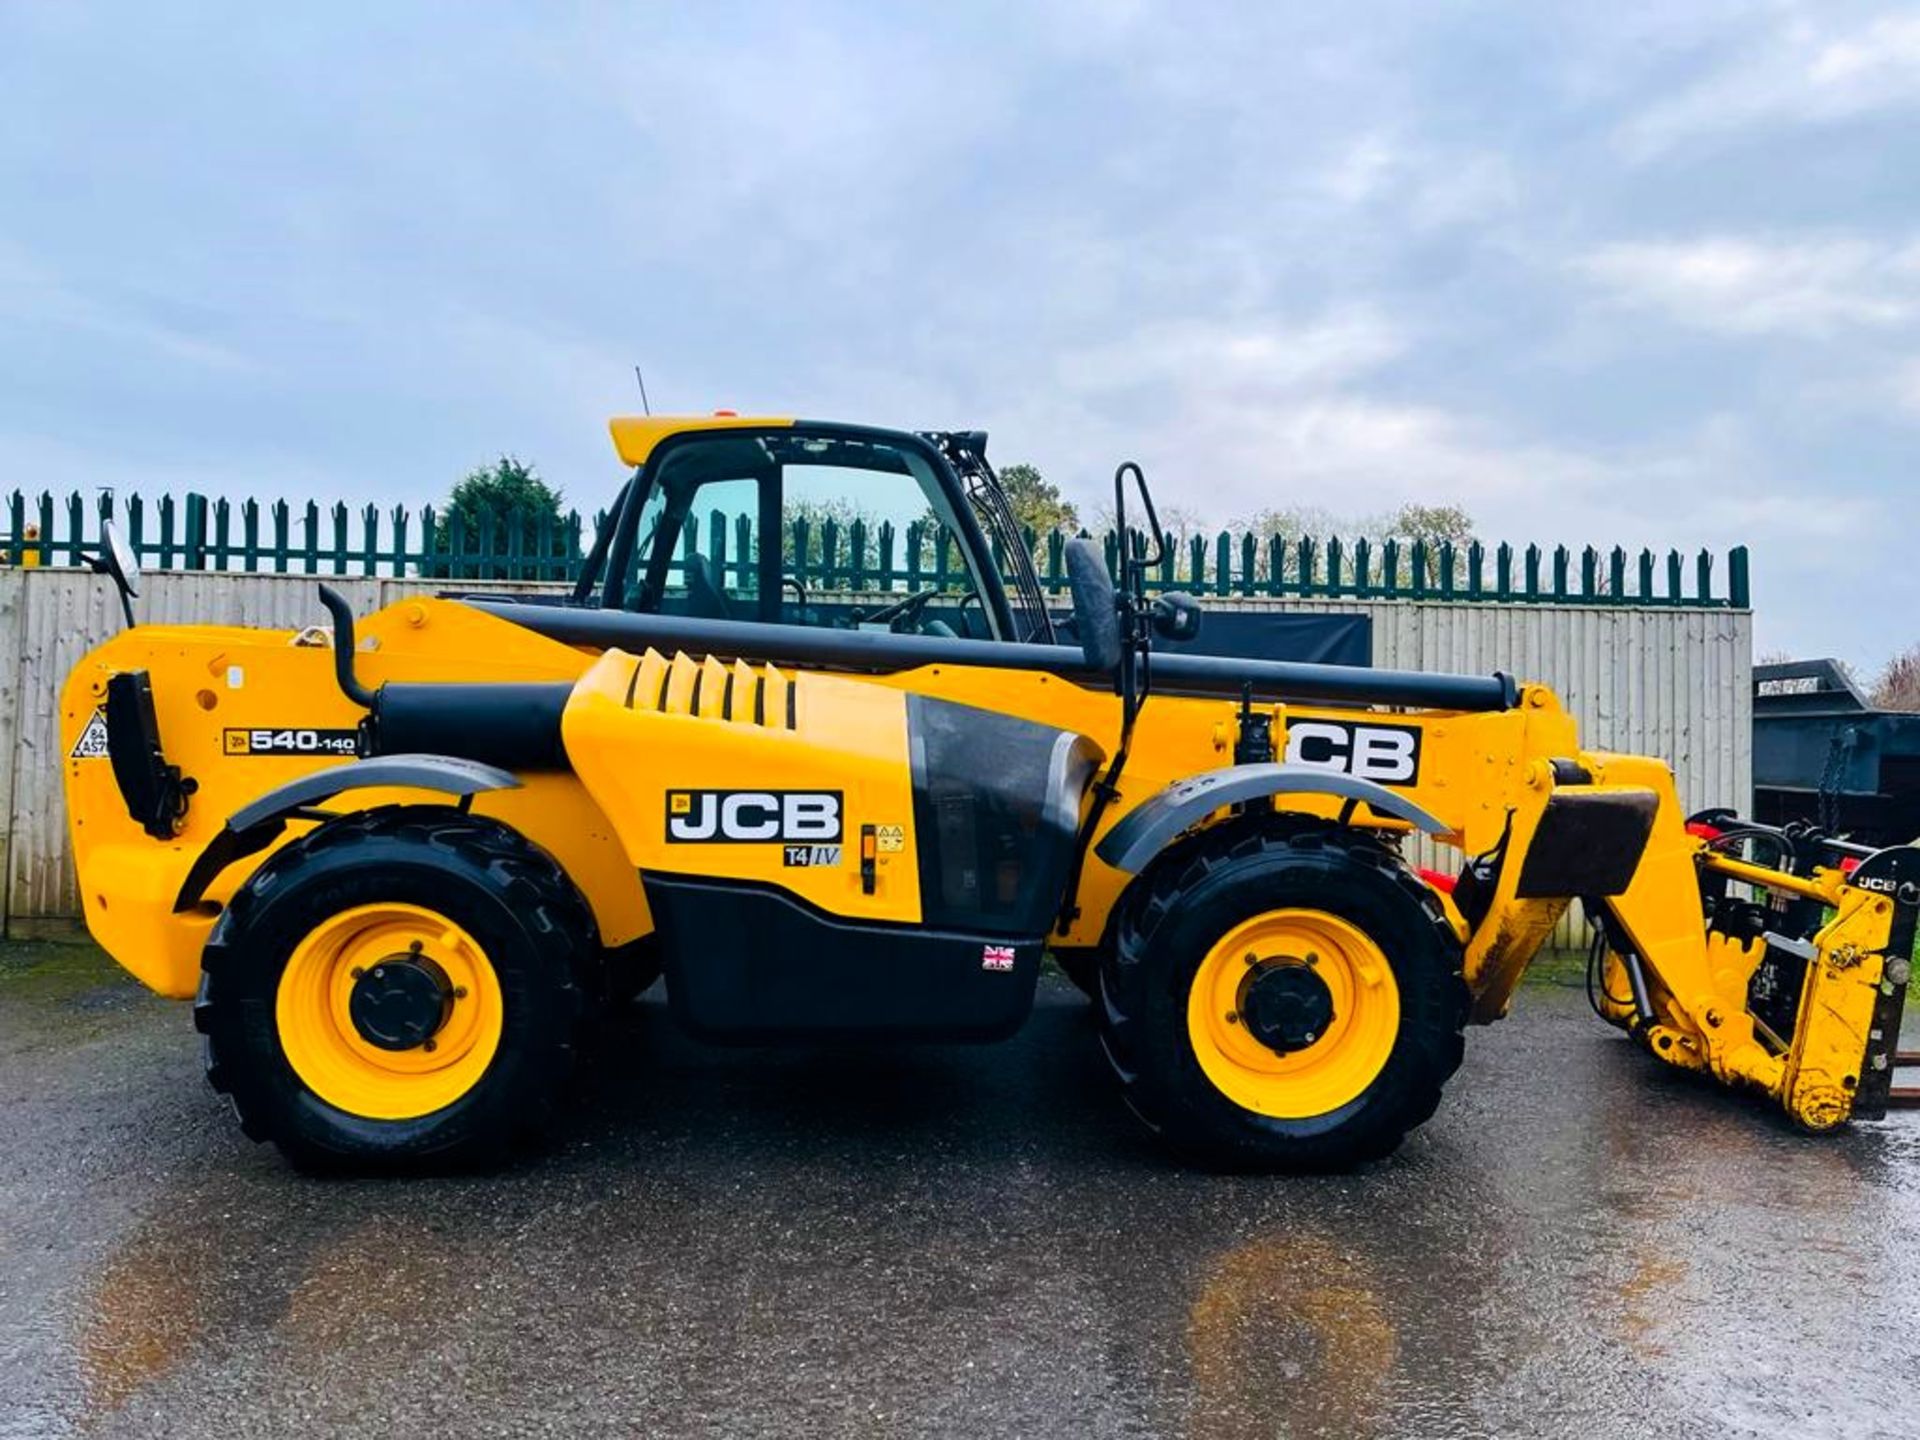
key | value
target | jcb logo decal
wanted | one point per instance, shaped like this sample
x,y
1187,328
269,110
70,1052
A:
x,y
787,817
1388,754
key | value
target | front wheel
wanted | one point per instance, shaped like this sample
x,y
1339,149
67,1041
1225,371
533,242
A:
x,y
1284,1000
398,987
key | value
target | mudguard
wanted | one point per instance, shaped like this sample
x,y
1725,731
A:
x,y
1145,830
256,825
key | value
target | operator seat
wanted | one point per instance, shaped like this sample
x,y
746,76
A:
x,y
705,597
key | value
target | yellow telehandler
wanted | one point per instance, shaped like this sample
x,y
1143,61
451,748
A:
x,y
398,862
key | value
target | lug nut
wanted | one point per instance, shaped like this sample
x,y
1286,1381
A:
x,y
1233,1017
430,1045
459,992
1251,958
358,972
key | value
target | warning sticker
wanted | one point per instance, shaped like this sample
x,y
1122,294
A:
x,y
92,744
892,838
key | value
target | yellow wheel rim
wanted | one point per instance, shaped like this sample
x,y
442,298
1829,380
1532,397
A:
x,y
346,1069
1341,1060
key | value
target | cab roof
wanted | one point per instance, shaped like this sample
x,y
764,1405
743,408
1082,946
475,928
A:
x,y
635,436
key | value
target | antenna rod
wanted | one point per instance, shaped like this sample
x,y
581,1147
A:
x,y
643,390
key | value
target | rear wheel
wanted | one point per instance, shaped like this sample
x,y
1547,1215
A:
x,y
399,986
1288,999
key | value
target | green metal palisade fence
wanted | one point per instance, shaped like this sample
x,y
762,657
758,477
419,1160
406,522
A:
x,y
197,533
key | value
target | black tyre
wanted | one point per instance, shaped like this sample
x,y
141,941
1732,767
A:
x,y
400,987
1283,999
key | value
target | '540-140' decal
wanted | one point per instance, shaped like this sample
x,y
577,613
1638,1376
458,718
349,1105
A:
x,y
267,741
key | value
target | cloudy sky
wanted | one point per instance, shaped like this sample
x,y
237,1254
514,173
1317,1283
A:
x,y
1634,273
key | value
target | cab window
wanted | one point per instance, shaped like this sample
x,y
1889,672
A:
x,y
803,529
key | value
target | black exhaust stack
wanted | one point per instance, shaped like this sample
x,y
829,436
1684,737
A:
x,y
514,725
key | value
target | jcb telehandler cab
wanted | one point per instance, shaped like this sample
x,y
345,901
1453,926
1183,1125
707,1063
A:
x,y
398,869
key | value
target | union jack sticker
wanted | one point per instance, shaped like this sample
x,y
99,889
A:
x,y
996,957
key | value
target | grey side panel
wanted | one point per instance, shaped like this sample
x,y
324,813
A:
x,y
420,772
1144,832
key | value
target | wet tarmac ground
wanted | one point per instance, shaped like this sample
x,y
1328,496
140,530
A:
x,y
953,1241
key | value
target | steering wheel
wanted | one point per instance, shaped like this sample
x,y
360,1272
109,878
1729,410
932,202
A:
x,y
798,589
903,613
972,597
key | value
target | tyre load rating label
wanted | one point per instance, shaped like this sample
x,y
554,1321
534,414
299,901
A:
x,y
268,741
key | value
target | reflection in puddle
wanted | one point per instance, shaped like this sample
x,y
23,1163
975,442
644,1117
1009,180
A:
x,y
1286,1336
1647,1299
142,1318
184,1285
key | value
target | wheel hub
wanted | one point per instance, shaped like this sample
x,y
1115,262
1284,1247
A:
x,y
401,1002
1287,1006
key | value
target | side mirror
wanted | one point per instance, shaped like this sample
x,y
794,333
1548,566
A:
x,y
118,563
1096,619
1176,616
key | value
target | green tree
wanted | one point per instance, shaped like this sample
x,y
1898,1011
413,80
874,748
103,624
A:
x,y
1292,521
1036,502
1433,524
817,514
511,492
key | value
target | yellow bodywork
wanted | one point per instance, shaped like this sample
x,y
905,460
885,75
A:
x,y
1486,777
845,736
634,436
213,685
